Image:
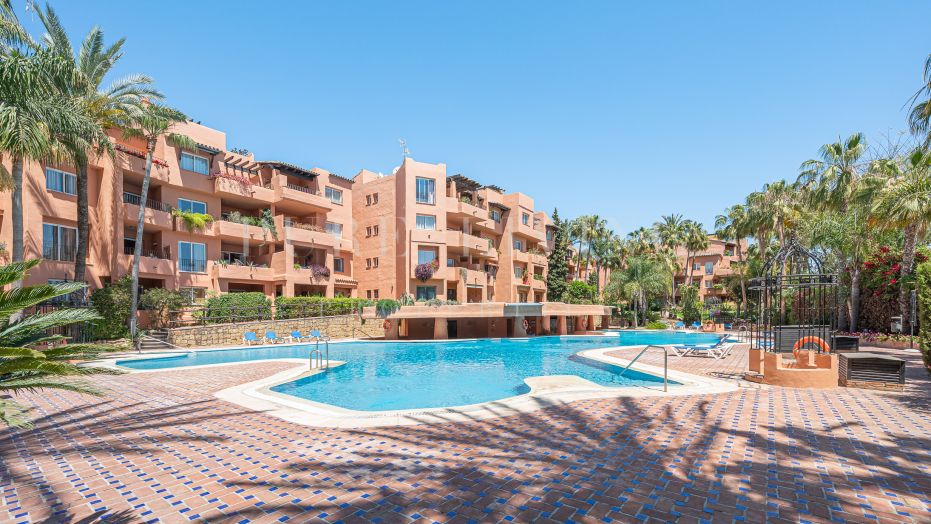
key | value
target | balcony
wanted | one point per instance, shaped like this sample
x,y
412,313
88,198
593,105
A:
x,y
308,234
237,231
471,277
243,271
300,196
128,158
520,256
535,232
441,273
157,214
538,283
463,209
152,262
538,259
466,241
237,189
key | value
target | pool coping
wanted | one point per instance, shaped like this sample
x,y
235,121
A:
x,y
545,391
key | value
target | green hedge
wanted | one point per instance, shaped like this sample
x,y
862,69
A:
x,y
113,304
923,273
301,307
237,307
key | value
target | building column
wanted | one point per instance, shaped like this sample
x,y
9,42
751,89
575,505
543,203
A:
x,y
391,333
440,331
591,323
543,325
561,325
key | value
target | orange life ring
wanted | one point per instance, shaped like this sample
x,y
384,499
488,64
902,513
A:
x,y
526,325
811,339
386,325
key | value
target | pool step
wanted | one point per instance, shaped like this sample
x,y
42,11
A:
x,y
155,340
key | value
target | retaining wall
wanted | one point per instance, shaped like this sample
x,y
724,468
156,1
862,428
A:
x,y
215,335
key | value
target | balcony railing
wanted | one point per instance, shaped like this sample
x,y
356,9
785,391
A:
x,y
302,189
135,200
161,254
192,265
310,226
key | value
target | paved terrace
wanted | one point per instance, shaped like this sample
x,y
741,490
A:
x,y
160,446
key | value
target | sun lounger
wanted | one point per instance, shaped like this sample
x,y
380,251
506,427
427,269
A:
x,y
696,325
680,325
296,336
271,337
249,337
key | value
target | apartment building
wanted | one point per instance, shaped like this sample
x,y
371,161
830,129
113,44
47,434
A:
x,y
309,250
421,232
709,268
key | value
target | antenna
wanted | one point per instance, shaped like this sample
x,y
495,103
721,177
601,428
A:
x,y
405,152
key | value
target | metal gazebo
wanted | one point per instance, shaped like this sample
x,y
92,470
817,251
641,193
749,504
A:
x,y
795,303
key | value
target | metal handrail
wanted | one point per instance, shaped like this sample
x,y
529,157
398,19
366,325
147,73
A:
x,y
319,359
665,364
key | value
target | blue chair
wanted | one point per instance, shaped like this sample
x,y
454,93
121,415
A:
x,y
728,326
680,325
249,337
315,333
296,336
696,325
271,337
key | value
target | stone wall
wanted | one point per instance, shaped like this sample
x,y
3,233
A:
x,y
216,335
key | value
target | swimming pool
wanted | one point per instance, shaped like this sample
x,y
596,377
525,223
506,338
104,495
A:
x,y
381,376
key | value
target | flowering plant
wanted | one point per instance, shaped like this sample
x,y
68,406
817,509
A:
x,y
425,271
139,154
319,271
244,180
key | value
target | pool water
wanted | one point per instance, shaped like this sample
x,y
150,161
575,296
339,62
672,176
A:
x,y
408,375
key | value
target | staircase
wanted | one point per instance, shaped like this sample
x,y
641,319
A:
x,y
155,340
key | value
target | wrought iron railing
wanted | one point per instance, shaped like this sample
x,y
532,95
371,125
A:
x,y
135,200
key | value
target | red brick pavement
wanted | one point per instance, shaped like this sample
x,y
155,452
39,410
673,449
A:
x,y
160,446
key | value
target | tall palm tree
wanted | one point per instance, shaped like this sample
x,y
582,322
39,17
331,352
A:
x,y
902,201
642,241
150,122
919,119
577,231
671,232
109,108
833,178
602,245
24,368
696,240
734,225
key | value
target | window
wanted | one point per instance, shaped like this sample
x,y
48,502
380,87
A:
x,y
518,272
518,244
233,257
375,294
59,242
73,297
197,164
192,206
60,181
709,268
375,231
375,264
338,265
374,198
522,296
194,295
368,231
427,222
192,257
426,191
426,292
549,235
335,195
334,229
695,266
525,219
426,255
368,294
495,215
368,263
708,284
368,200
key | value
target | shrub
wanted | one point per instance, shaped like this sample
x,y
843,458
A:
x,y
691,307
113,304
302,307
578,292
161,302
237,307
406,300
386,306
923,274
656,325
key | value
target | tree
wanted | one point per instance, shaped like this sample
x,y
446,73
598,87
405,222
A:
x,y
638,281
22,366
734,225
576,230
558,272
902,201
671,232
695,240
108,108
919,119
602,245
149,123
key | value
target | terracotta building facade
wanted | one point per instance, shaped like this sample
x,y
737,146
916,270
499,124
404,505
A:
x,y
709,268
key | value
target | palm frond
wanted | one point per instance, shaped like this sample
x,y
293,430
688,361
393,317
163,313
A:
x,y
16,271
18,299
30,328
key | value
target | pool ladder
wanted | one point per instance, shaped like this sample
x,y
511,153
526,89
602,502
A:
x,y
316,356
665,364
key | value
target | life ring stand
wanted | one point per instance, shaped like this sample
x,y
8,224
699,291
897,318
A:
x,y
526,325
809,339
386,325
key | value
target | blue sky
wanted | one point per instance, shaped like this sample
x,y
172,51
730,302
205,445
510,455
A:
x,y
628,110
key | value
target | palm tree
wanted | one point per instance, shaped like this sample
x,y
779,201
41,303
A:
x,y
108,108
734,225
602,245
591,225
671,232
149,123
919,119
23,368
833,179
640,279
902,201
577,231
641,241
696,240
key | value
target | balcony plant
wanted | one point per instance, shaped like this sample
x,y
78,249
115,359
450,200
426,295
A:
x,y
319,272
241,179
386,306
425,271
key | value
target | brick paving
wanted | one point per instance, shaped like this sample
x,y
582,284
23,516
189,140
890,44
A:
x,y
159,446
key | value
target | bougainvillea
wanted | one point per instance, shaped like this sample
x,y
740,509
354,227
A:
x,y
244,180
424,272
319,271
879,287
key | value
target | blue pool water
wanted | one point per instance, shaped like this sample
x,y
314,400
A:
x,y
403,375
